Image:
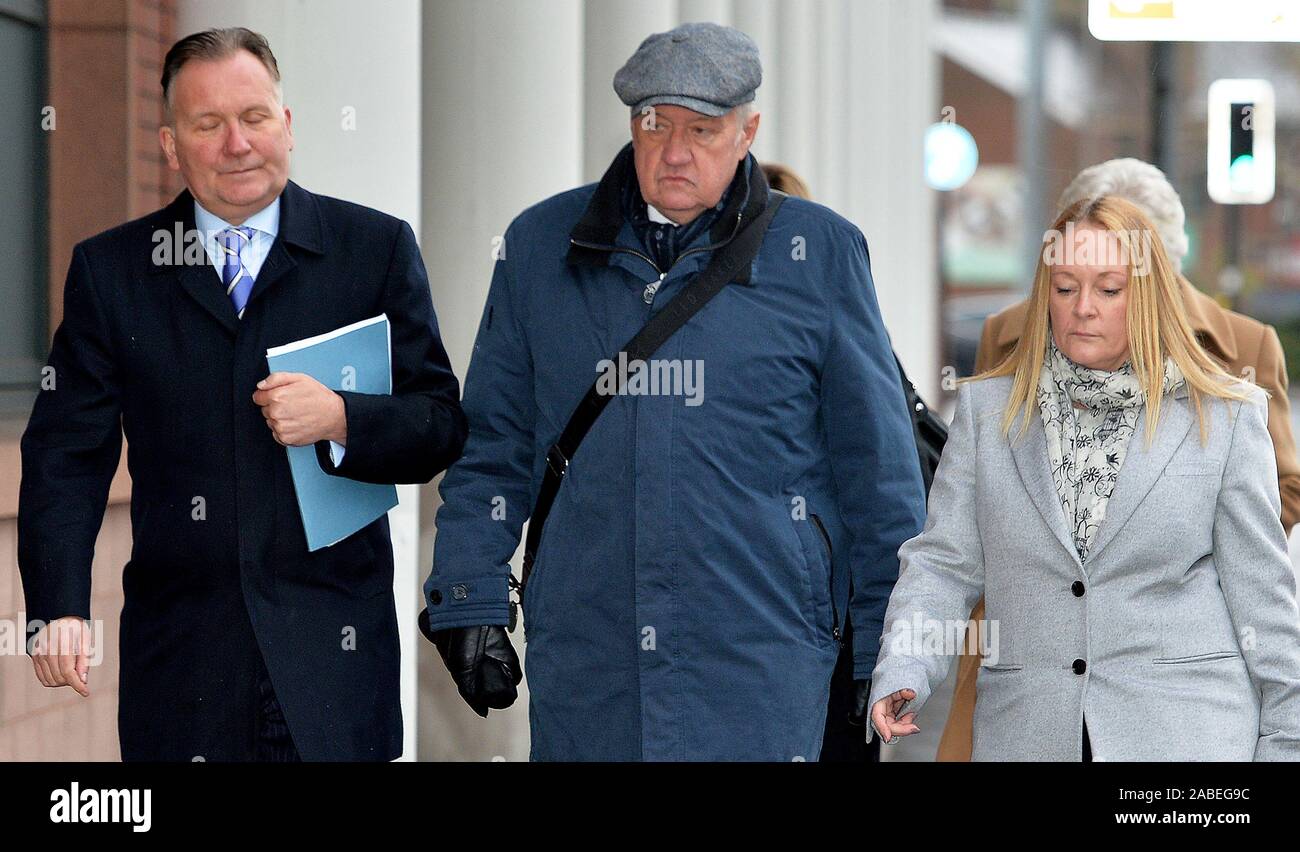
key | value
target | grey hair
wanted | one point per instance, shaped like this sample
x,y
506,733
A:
x,y
1144,185
744,112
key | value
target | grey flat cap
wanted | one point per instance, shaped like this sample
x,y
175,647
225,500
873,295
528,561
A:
x,y
704,67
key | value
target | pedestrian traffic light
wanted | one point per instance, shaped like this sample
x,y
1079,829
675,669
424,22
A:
x,y
1240,149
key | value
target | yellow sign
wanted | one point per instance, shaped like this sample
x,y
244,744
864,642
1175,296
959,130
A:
x,y
1194,20
1120,9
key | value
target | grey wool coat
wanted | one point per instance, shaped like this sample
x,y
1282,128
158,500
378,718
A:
x,y
1178,639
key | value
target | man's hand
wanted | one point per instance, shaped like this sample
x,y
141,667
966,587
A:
x,y
61,654
300,410
481,661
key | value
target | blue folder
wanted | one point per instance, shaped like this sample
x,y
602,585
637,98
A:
x,y
357,358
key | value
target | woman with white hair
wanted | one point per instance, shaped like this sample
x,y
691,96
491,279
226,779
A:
x,y
1242,345
1110,490
1144,185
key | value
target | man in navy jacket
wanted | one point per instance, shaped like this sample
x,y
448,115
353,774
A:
x,y
236,642
691,588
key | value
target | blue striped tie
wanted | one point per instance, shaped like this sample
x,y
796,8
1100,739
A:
x,y
233,274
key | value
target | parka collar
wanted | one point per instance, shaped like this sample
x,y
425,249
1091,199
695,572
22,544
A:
x,y
596,233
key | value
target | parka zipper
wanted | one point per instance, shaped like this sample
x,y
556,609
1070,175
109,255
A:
x,y
830,559
651,289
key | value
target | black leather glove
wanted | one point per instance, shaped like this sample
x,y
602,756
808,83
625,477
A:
x,y
859,713
481,661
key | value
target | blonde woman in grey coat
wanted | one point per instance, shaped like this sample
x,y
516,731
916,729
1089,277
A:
x,y
1113,495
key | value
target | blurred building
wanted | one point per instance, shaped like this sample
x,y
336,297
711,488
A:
x,y
1104,99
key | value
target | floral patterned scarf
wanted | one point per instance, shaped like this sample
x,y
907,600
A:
x,y
1086,445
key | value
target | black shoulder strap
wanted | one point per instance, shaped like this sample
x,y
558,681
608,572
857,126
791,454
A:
x,y
723,267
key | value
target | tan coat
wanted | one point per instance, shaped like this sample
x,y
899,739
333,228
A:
x,y
1238,342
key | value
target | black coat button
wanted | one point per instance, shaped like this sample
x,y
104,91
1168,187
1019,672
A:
x,y
435,597
459,591
1080,667
1077,588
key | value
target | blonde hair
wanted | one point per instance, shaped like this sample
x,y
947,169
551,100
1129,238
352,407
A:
x,y
785,179
1156,321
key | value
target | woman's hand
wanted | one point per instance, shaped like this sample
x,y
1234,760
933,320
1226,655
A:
x,y
885,719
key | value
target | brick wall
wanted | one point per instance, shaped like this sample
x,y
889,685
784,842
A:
x,y
37,723
106,166
105,60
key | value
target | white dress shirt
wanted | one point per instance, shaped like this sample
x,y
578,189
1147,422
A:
x,y
252,254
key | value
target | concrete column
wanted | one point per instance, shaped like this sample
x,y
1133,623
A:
x,y
796,102
758,20
834,145
503,129
694,11
892,81
613,30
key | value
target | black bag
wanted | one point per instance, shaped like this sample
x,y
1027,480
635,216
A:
x,y
931,432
